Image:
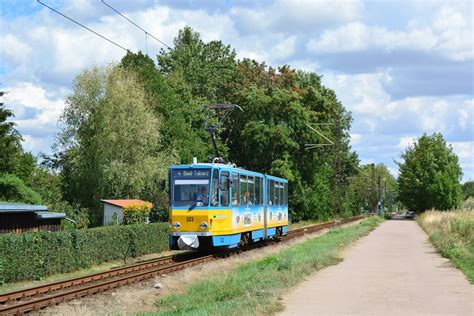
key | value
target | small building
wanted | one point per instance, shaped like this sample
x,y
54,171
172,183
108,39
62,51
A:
x,y
113,209
18,218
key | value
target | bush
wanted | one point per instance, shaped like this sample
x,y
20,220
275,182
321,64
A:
x,y
34,255
136,213
13,189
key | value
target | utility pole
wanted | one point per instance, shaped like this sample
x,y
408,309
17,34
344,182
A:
x,y
337,166
379,204
390,201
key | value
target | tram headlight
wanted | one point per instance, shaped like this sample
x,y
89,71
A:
x,y
203,226
177,225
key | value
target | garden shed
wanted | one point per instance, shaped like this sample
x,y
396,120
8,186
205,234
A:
x,y
18,218
116,207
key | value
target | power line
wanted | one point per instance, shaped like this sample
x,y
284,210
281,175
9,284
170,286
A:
x,y
82,25
138,26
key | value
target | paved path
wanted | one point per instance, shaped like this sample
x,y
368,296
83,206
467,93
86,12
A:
x,y
392,271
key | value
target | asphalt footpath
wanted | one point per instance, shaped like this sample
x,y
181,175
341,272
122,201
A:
x,y
392,271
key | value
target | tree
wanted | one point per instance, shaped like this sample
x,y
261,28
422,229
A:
x,y
181,113
10,146
430,175
468,189
109,144
13,189
363,188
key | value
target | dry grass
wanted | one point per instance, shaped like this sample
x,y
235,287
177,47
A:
x,y
452,233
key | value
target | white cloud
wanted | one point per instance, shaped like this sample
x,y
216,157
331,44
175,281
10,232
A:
x,y
405,142
296,16
284,49
388,126
14,50
464,150
41,55
356,37
39,128
361,93
450,34
355,138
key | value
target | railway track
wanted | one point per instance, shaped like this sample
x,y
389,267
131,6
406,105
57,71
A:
x,y
40,297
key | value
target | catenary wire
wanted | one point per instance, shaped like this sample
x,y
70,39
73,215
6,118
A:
x,y
82,25
138,26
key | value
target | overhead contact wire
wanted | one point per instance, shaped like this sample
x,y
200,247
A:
x,y
138,26
82,25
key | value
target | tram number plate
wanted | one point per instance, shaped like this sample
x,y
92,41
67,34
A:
x,y
189,219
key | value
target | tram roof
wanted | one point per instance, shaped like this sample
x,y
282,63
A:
x,y
226,166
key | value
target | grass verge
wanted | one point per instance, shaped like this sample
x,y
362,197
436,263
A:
x,y
452,233
257,286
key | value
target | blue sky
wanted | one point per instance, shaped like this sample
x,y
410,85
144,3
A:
x,y
403,68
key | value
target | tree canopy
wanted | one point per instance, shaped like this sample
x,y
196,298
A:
x,y
430,175
111,139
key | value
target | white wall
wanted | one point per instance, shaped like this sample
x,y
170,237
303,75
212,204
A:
x,y
109,211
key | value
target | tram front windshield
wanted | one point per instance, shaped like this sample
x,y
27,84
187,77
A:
x,y
190,187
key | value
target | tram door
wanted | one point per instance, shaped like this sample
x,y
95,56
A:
x,y
265,203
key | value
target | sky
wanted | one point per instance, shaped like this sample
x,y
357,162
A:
x,y
403,68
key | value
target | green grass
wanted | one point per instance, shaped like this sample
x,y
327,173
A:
x,y
256,287
452,233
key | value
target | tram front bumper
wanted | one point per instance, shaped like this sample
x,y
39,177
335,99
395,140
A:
x,y
188,242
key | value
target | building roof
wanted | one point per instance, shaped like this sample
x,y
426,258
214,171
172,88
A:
x,y
8,207
48,215
125,203
39,210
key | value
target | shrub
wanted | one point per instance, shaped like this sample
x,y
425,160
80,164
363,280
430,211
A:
x,y
136,213
34,255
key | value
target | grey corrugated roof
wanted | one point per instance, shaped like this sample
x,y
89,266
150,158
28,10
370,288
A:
x,y
8,207
46,215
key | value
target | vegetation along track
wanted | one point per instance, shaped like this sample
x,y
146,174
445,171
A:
x,y
39,297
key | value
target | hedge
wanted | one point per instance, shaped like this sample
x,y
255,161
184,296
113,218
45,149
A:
x,y
34,255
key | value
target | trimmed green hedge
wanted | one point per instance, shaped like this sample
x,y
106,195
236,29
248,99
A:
x,y
34,255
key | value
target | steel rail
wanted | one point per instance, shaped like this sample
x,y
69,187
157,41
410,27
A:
x,y
60,285
37,298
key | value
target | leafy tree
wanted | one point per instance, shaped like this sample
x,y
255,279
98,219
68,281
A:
x,y
363,188
182,114
207,67
10,146
271,134
13,189
430,175
110,140
468,189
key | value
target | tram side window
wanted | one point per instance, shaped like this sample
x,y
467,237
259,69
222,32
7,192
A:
x,y
258,191
250,191
272,193
285,194
224,187
281,194
243,189
215,187
277,193
235,189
